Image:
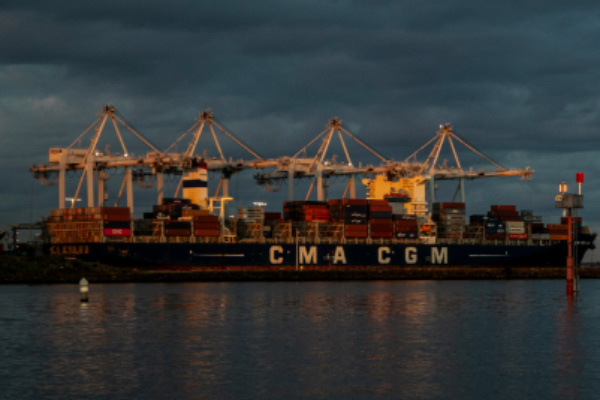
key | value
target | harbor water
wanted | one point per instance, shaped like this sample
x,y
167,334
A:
x,y
301,340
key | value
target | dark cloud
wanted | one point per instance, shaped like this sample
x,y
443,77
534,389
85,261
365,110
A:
x,y
516,79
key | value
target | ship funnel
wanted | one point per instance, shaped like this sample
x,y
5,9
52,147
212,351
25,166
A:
x,y
195,184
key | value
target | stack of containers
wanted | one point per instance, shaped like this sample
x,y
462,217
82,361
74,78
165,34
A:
x,y
178,228
516,230
561,231
380,219
250,222
117,220
88,225
72,226
494,229
534,225
251,214
171,208
206,225
539,231
577,222
508,222
353,213
450,219
272,219
405,226
558,231
306,211
476,226
504,213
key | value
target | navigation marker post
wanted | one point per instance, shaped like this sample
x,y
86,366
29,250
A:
x,y
568,202
84,288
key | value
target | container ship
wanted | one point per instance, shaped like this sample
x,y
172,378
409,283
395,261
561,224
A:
x,y
394,226
337,233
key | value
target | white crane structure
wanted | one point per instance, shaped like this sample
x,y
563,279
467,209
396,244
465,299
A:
x,y
154,164
149,169
220,163
319,168
93,162
433,171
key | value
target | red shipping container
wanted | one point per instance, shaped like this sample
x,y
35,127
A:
x,y
450,205
380,209
117,232
207,225
504,207
355,202
272,216
206,232
357,235
517,236
495,236
356,231
381,221
116,217
378,203
382,234
576,220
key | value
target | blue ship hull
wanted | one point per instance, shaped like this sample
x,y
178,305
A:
x,y
285,256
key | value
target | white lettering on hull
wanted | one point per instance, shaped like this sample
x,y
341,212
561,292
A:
x,y
383,255
307,257
410,255
439,256
275,255
339,256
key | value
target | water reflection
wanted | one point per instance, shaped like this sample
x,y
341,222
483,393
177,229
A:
x,y
462,339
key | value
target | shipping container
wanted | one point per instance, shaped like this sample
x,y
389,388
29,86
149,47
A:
x,y
517,236
448,205
117,232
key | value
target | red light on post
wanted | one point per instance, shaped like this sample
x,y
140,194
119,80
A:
x,y
579,177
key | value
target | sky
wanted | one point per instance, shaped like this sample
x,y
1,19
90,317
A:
x,y
518,80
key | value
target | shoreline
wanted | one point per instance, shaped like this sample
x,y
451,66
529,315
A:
x,y
55,270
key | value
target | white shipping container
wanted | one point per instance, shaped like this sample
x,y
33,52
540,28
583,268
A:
x,y
515,224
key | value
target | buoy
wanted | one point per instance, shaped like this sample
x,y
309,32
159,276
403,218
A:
x,y
84,288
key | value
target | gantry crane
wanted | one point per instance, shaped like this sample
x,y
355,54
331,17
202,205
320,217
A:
x,y
93,162
391,177
403,178
155,163
433,171
319,168
226,167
